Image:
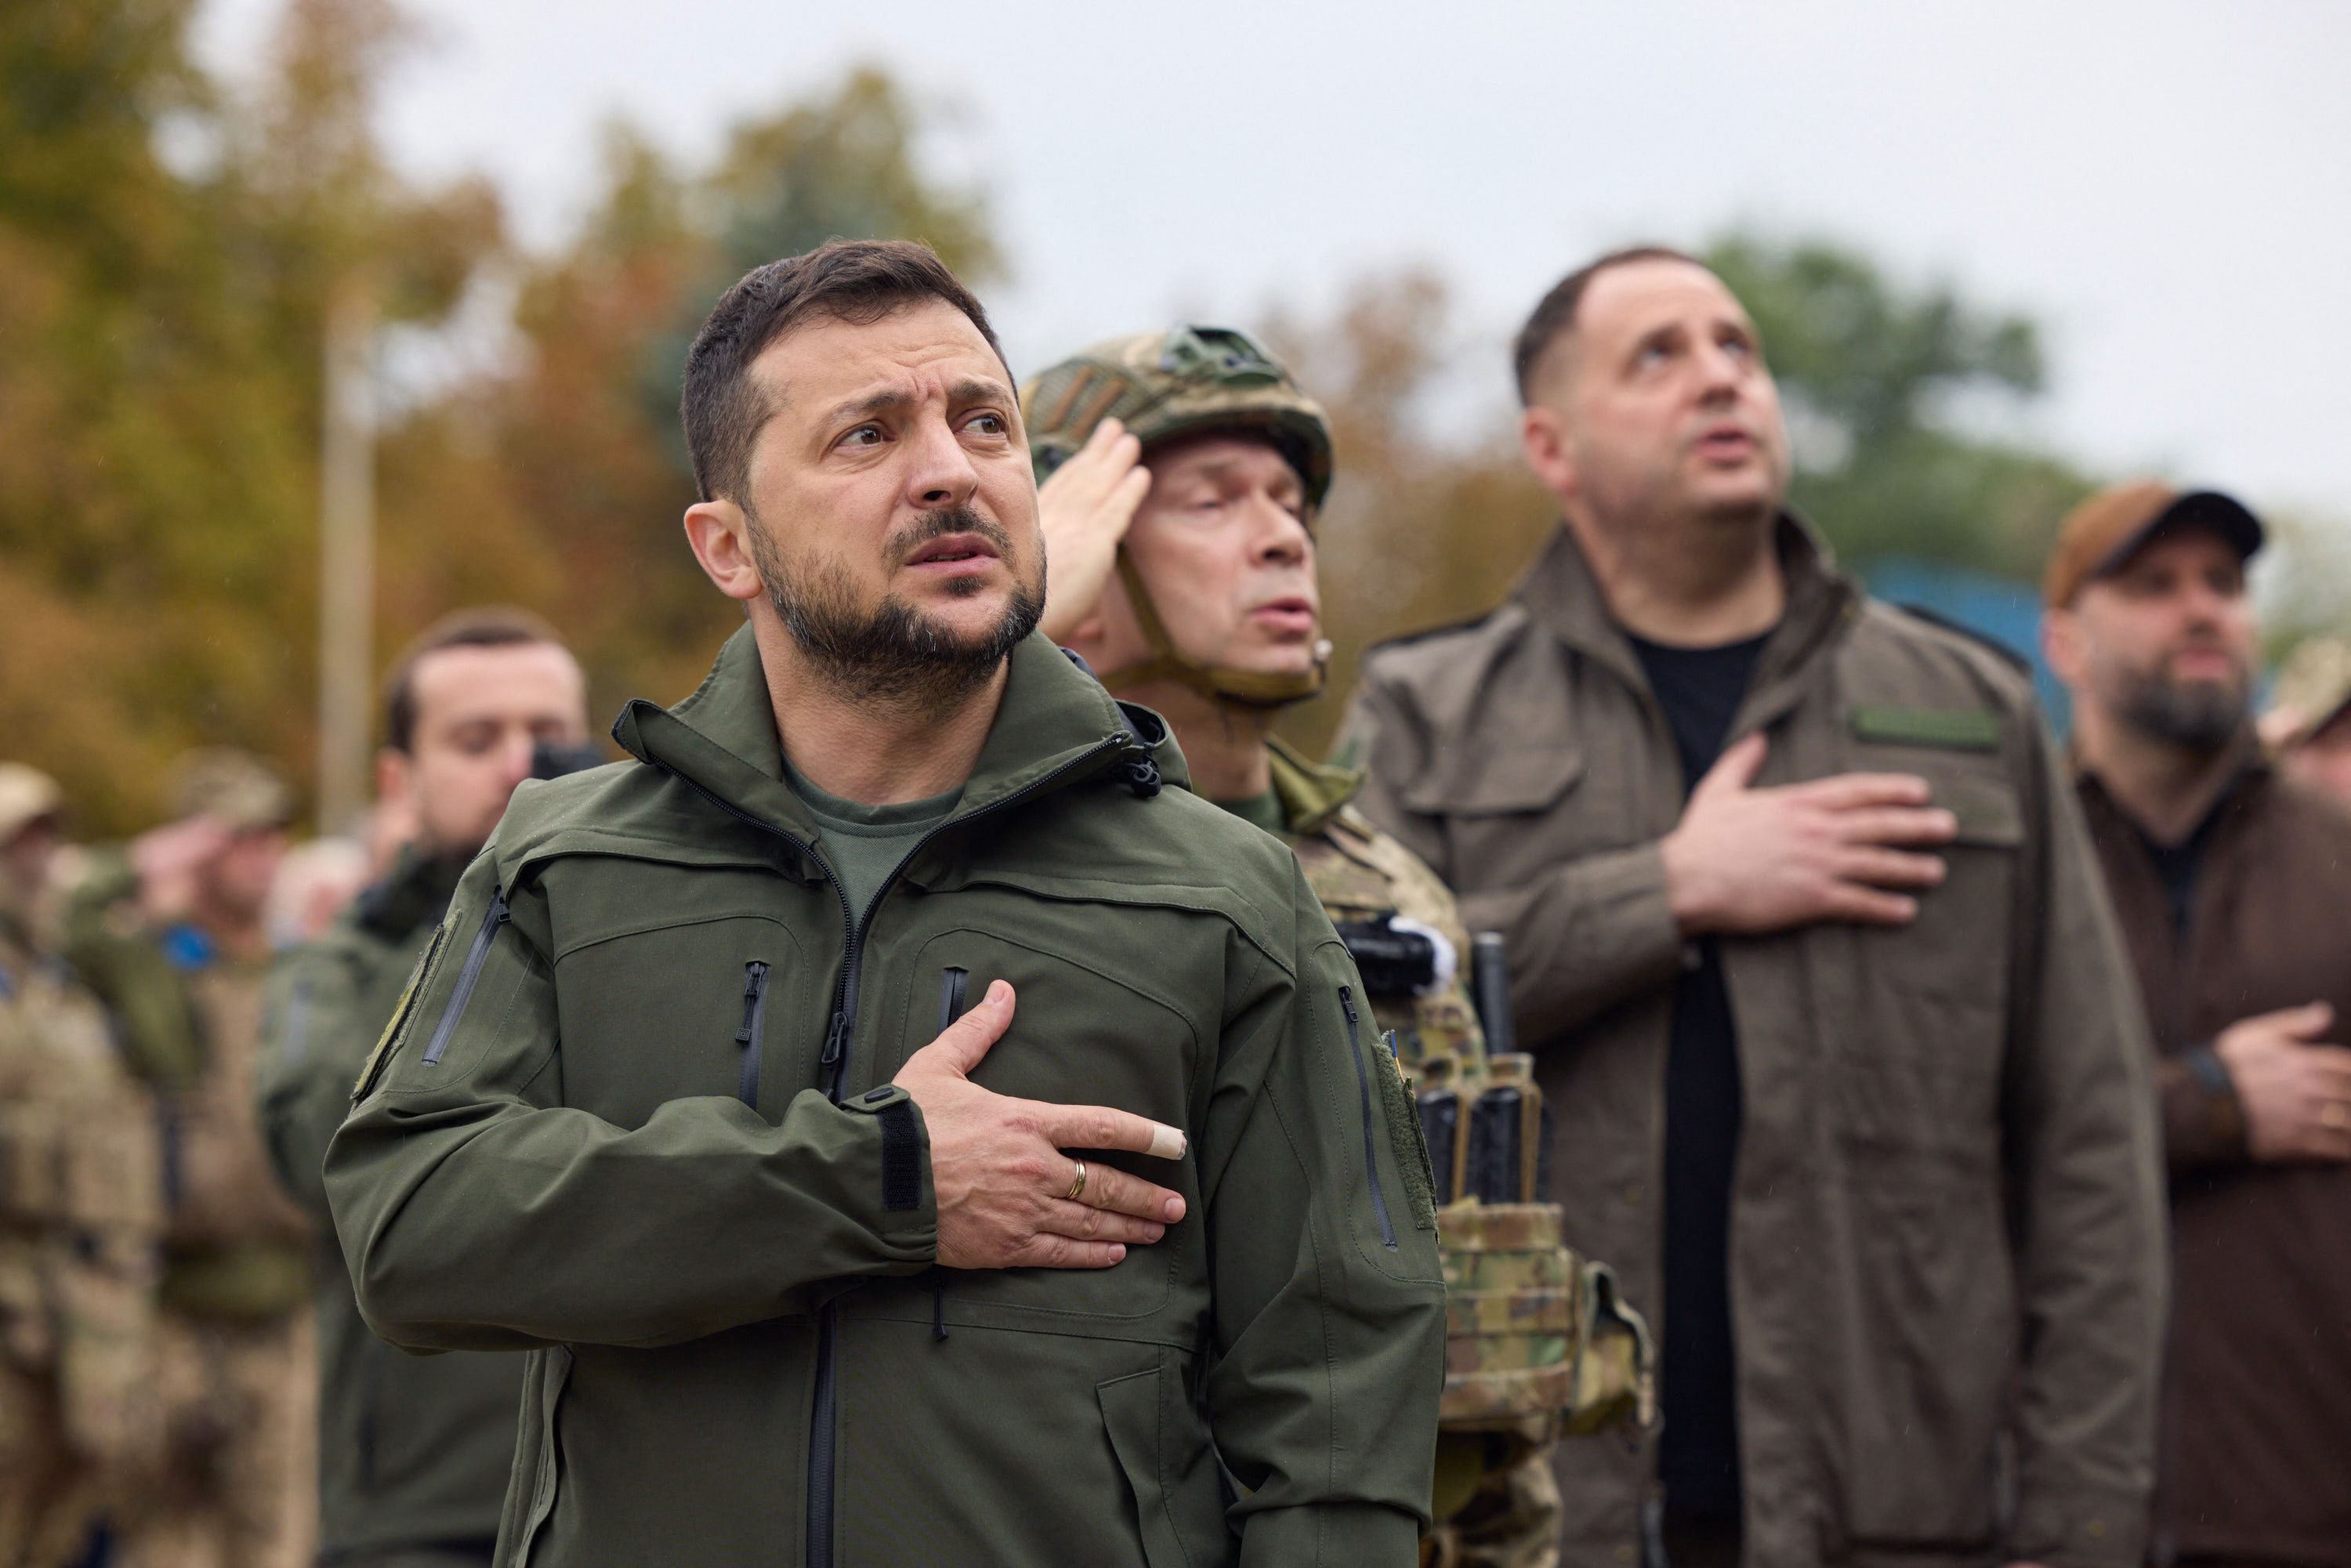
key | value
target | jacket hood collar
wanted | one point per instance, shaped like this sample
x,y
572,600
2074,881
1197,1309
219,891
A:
x,y
1056,724
415,892
1562,594
1311,793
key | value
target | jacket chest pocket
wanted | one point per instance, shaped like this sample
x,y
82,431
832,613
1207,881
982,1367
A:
x,y
1514,813
1079,1036
714,1006
1937,990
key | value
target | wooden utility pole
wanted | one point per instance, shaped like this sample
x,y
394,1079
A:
x,y
346,560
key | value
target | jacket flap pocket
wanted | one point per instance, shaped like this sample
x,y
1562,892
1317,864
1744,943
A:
x,y
1130,1407
543,1388
1470,783
1987,807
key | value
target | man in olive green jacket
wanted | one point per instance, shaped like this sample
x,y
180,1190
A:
x,y
1850,1074
412,1451
711,1091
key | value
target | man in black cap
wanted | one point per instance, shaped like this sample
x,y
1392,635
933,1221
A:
x,y
2231,883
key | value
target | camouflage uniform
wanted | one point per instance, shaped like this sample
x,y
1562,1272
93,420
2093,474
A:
x,y
1536,1345
80,1219
1536,1342
236,1362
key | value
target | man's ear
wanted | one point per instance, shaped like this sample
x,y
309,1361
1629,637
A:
x,y
393,776
1543,442
719,533
2060,645
1108,638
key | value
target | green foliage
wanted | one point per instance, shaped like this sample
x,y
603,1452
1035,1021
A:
x,y
160,343
1870,372
577,451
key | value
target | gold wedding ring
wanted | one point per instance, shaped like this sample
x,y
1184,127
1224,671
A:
x,y
1076,1186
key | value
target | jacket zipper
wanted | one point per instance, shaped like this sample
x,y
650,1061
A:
x,y
1363,1089
475,955
835,1059
754,1030
954,982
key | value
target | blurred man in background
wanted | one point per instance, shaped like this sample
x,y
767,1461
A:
x,y
172,933
412,1451
2232,884
2308,725
81,1216
1809,943
1183,559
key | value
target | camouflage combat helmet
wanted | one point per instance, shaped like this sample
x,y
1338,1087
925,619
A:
x,y
2313,687
1185,381
234,784
27,795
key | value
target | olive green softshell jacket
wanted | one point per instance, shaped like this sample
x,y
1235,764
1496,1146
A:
x,y
636,1116
413,1450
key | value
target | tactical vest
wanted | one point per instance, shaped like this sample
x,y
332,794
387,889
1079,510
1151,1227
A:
x,y
1539,1344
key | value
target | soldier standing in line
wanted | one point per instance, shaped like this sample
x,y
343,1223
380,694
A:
x,y
80,1219
413,1450
1811,952
171,934
1185,469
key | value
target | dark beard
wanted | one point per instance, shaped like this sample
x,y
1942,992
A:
x,y
2200,717
895,654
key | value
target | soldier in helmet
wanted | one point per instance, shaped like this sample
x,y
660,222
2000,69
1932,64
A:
x,y
1186,471
171,931
80,1215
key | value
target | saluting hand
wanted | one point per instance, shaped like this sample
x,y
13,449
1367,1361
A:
x,y
1003,1185
1083,509
1842,848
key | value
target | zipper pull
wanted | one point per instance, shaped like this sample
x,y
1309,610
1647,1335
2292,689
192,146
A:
x,y
832,1039
754,973
1347,1003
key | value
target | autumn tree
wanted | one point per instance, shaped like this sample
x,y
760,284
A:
x,y
1875,374
158,374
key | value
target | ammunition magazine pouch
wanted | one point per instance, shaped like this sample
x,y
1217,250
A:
x,y
1538,1343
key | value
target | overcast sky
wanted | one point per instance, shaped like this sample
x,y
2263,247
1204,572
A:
x,y
2165,185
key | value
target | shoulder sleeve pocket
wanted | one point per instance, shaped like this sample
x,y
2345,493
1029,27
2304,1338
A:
x,y
417,978
1403,1137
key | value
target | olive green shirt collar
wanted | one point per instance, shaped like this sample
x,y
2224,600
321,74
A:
x,y
1311,793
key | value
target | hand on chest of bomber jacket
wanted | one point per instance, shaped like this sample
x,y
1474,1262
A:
x,y
1946,1126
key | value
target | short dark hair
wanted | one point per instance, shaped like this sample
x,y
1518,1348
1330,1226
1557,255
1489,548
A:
x,y
1554,314
484,626
854,280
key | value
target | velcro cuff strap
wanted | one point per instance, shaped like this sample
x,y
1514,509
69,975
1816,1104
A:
x,y
902,1145
902,1157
